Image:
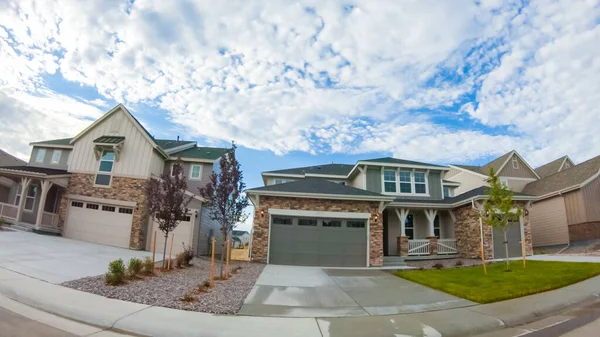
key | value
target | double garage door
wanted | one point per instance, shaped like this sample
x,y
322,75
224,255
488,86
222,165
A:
x,y
513,237
99,223
318,242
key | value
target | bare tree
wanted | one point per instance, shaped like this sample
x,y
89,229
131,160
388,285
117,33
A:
x,y
499,210
225,196
167,201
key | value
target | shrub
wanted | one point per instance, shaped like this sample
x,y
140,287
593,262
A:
x,y
188,298
438,266
179,259
206,284
148,266
135,266
188,254
1,223
116,273
458,263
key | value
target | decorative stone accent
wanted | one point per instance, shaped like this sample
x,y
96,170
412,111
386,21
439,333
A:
x,y
402,244
126,189
528,236
584,231
467,233
433,247
260,238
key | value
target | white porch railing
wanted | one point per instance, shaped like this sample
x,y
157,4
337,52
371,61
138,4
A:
x,y
50,219
8,211
446,246
418,247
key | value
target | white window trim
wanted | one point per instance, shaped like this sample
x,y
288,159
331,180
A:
x,y
515,163
504,181
37,155
27,196
54,153
412,183
103,172
18,194
192,171
396,179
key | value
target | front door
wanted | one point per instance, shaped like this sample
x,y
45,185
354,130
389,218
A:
x,y
514,242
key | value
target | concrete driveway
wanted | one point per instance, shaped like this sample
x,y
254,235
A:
x,y
57,259
290,291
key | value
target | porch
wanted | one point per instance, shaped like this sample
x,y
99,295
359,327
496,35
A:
x,y
419,233
32,201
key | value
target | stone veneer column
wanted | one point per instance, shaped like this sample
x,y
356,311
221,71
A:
x,y
433,247
402,244
467,233
260,235
376,240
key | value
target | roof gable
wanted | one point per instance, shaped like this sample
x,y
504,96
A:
x,y
552,167
573,177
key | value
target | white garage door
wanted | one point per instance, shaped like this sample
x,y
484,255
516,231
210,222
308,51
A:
x,y
183,234
99,223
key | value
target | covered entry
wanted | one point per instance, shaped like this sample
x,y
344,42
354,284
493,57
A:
x,y
514,242
318,241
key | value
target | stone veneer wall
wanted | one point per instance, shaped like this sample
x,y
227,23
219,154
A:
x,y
466,231
260,238
584,231
126,189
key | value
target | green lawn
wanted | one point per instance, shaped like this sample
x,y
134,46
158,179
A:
x,y
470,282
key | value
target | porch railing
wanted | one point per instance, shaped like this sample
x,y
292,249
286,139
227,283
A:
x,y
418,247
50,219
8,211
446,246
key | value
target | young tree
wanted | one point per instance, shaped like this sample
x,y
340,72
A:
x,y
499,211
224,195
167,201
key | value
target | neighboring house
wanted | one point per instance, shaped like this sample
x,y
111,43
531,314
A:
x,y
93,186
554,166
7,184
240,238
567,206
373,212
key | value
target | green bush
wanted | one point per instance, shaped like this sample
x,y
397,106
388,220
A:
x,y
135,266
458,263
1,223
116,273
179,259
438,266
147,266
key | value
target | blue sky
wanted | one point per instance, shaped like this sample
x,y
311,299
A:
x,y
298,83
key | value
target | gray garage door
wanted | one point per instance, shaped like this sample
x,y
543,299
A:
x,y
318,242
514,242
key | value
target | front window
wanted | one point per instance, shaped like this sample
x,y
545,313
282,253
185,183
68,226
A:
x,y
56,156
18,194
389,181
420,183
405,183
195,172
39,158
436,226
409,228
30,198
106,167
504,182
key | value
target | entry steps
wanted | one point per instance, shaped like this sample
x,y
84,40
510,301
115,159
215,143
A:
x,y
393,261
27,227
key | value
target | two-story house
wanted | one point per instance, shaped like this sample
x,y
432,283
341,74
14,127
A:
x,y
92,187
373,212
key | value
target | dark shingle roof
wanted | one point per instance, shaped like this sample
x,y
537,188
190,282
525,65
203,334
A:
x,y
479,191
61,141
566,178
485,169
34,169
327,169
550,168
7,159
171,143
316,186
474,168
399,161
109,139
196,152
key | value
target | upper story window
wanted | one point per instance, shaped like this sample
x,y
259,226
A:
x,y
448,192
196,172
56,156
420,183
41,153
405,182
515,163
389,181
282,181
504,182
105,168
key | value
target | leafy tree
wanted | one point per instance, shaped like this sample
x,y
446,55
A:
x,y
224,195
499,211
167,201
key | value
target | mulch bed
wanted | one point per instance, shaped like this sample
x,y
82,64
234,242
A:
x,y
168,288
447,263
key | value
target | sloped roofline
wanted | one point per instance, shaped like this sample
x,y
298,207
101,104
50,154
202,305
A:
x,y
135,122
564,161
513,152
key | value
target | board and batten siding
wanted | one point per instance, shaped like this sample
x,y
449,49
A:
x,y
468,181
47,162
358,181
451,173
575,207
157,164
591,197
522,172
548,220
136,153
374,179
193,184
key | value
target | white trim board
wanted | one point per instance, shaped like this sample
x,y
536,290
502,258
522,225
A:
x,y
319,214
75,197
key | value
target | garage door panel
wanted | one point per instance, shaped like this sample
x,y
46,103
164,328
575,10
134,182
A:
x,y
182,232
514,242
97,225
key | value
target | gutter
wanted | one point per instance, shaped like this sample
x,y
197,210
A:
x,y
320,196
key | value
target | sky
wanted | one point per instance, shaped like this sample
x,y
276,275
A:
x,y
303,82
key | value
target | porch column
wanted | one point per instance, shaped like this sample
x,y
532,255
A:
x,y
402,240
402,213
430,214
45,187
24,189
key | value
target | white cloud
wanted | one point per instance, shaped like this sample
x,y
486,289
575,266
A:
x,y
262,72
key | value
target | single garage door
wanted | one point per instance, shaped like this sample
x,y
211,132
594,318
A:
x,y
183,234
318,242
514,242
99,223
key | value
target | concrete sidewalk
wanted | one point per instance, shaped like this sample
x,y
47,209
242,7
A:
x,y
156,321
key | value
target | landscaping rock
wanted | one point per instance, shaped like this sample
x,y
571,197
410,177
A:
x,y
168,288
447,263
